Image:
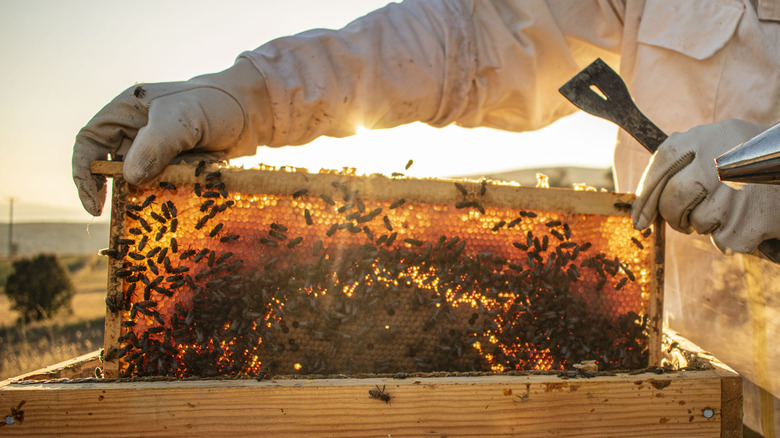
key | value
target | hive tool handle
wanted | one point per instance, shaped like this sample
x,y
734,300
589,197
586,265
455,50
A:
x,y
613,102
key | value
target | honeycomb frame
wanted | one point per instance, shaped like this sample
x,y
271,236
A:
x,y
470,202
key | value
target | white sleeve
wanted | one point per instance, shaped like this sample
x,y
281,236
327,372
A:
x,y
471,62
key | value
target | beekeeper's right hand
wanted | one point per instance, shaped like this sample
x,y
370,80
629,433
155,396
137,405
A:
x,y
226,114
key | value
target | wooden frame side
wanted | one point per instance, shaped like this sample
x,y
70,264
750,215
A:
x,y
114,290
656,299
622,405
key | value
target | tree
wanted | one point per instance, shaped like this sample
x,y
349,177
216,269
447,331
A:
x,y
39,287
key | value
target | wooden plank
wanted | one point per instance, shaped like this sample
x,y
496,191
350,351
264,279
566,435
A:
x,y
488,406
428,190
78,367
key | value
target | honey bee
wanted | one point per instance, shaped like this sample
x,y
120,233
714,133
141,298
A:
x,y
461,189
520,246
202,222
161,233
199,167
167,185
388,225
278,227
300,192
152,267
148,201
145,225
397,203
207,204
379,394
328,200
114,303
277,235
229,238
272,243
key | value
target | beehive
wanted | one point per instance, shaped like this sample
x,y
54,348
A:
x,y
219,271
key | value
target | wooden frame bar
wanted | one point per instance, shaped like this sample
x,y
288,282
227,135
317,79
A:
x,y
79,367
387,188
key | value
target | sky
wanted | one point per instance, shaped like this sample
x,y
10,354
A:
x,y
61,61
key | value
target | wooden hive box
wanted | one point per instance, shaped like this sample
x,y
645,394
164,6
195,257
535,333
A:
x,y
289,303
704,399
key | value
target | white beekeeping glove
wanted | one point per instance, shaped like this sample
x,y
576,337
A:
x,y
225,114
681,183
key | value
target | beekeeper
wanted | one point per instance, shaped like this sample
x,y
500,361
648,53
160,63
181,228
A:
x,y
689,65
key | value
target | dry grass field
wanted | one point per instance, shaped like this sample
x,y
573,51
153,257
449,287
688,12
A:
x,y
25,348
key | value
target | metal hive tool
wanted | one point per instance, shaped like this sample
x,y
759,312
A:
x,y
220,271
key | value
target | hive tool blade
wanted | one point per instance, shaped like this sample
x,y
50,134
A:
x,y
612,102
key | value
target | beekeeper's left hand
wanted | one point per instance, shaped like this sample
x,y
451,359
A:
x,y
681,183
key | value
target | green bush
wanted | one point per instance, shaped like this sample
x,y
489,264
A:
x,y
6,268
73,262
39,287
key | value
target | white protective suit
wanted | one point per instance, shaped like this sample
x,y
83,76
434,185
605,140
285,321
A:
x,y
500,63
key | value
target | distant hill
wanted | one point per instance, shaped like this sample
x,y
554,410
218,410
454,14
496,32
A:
x,y
57,238
564,176
32,212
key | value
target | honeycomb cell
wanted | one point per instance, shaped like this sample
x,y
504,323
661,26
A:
x,y
221,280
